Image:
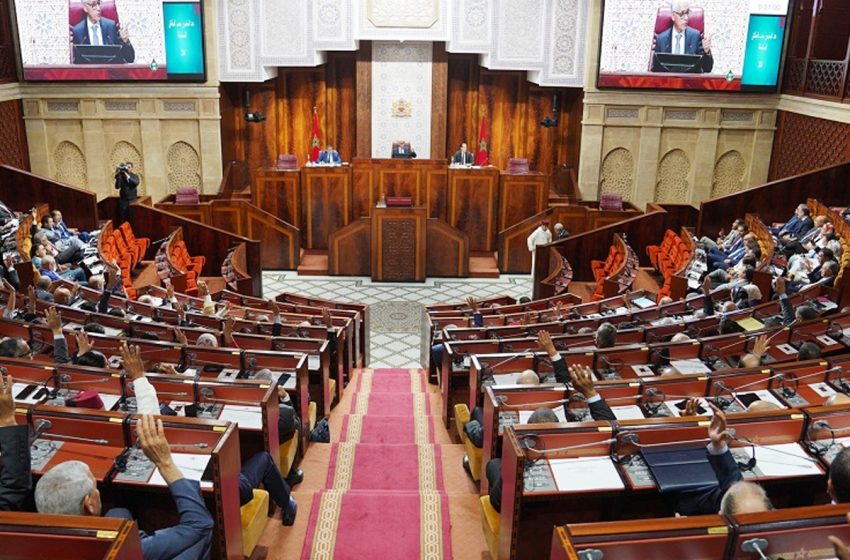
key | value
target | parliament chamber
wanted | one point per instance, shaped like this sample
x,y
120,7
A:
x,y
470,279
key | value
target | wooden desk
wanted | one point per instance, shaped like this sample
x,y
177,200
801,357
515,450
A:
x,y
423,180
473,198
32,536
398,244
326,203
278,192
521,196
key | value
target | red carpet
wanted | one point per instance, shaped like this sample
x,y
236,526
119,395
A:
x,y
357,428
379,467
378,525
385,493
391,404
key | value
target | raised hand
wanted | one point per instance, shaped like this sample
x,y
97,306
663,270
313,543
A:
x,y
155,447
706,285
179,337
582,378
779,286
760,346
717,432
544,342
124,33
83,343
472,303
842,552
131,357
692,407
7,401
327,319
54,321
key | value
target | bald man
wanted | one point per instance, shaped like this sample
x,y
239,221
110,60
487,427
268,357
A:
x,y
681,39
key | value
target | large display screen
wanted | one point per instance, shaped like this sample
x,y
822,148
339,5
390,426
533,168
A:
x,y
723,45
91,40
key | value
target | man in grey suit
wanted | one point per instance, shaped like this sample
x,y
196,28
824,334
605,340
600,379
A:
x,y
681,39
97,30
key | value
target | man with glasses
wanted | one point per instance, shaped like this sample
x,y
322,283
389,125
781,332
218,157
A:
x,y
97,30
681,39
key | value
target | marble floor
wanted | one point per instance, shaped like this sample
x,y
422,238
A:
x,y
395,317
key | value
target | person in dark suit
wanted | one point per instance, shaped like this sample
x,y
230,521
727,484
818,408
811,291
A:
x,y
463,156
127,184
97,30
681,39
15,476
329,156
403,150
69,488
731,495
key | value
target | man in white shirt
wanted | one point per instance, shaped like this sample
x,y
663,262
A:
x,y
540,236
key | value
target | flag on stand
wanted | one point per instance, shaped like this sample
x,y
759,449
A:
x,y
315,143
481,158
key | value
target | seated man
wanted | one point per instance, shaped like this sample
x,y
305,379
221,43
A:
x,y
288,423
329,156
731,495
723,242
463,156
402,150
97,30
493,469
799,224
804,312
17,347
50,269
681,39
15,476
69,488
260,469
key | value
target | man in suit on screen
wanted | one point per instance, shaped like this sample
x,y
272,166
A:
x,y
681,39
97,30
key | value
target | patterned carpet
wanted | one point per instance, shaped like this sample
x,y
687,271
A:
x,y
395,310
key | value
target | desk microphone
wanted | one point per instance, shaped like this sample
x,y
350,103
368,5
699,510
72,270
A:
x,y
788,391
46,432
757,546
41,426
200,445
487,369
590,554
208,394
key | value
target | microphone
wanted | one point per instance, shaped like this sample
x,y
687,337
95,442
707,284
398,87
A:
x,y
757,546
41,426
487,369
208,394
652,400
612,368
790,392
200,445
46,432
590,554
835,331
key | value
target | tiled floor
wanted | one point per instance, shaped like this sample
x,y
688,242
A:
x,y
396,331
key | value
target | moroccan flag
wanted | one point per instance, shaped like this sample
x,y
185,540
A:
x,y
481,155
314,145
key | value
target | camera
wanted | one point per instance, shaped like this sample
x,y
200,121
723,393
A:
x,y
122,168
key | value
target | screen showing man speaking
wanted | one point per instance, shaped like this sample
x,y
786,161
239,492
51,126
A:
x,y
111,39
723,45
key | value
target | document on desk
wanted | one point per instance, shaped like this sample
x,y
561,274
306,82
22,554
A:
x,y
559,411
690,367
628,412
109,401
785,459
314,361
192,466
585,473
505,378
822,389
31,397
248,417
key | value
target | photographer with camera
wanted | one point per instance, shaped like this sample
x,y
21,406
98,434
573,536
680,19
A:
x,y
126,182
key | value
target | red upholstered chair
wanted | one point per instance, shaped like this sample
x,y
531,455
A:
x,y
518,165
664,21
76,13
287,161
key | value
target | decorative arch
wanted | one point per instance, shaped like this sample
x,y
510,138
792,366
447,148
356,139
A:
x,y
618,173
69,165
184,167
728,174
123,152
671,184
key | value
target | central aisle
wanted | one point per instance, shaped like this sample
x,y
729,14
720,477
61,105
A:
x,y
389,485
384,495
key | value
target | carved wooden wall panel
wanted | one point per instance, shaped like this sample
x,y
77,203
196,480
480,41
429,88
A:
x,y
13,136
804,143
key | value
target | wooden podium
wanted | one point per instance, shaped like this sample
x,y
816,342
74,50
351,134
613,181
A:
x,y
398,244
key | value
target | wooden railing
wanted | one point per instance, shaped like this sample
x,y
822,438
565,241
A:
x,y
281,246
236,181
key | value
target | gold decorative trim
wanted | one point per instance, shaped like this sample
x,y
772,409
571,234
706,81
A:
x,y
344,472
431,523
355,428
427,468
324,538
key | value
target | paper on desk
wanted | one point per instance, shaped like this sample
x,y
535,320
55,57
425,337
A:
x,y
785,459
787,349
179,407
628,412
643,370
690,367
822,389
643,302
314,361
190,464
109,401
750,324
18,387
765,395
559,411
585,473
505,378
248,417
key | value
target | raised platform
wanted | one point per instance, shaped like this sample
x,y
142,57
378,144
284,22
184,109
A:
x,y
314,262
